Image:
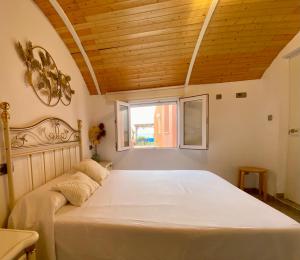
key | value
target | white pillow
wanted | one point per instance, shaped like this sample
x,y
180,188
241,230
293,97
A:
x,y
77,189
35,211
93,169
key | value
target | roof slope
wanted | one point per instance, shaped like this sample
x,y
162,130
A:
x,y
138,44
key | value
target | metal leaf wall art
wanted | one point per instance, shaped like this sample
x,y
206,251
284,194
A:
x,y
48,82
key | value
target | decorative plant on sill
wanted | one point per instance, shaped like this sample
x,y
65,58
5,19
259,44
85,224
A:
x,y
48,83
96,133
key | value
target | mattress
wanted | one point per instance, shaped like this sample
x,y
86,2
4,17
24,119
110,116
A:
x,y
173,215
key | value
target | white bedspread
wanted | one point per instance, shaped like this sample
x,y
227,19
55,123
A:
x,y
173,215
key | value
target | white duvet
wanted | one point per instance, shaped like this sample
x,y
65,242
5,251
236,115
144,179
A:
x,y
169,215
173,215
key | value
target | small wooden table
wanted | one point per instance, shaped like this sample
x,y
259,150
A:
x,y
17,244
263,181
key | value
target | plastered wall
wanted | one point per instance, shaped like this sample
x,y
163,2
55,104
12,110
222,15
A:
x,y
22,20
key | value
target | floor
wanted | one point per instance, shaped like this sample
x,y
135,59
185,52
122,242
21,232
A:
x,y
287,210
277,204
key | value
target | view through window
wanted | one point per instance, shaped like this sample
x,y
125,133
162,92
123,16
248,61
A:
x,y
154,125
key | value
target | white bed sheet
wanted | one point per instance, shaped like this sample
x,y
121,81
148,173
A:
x,y
173,215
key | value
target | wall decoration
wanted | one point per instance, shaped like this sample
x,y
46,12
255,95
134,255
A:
x,y
95,135
49,84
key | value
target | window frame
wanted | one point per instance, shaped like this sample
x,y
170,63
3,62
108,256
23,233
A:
x,y
180,121
205,123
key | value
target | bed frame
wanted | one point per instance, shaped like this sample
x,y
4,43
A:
x,y
42,151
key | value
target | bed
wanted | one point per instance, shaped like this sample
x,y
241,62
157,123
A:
x,y
137,215
172,215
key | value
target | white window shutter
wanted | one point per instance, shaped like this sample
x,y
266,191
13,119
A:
x,y
123,135
194,122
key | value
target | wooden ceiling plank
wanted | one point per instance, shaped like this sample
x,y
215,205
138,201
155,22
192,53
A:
x,y
131,70
152,71
179,23
144,48
142,53
157,9
147,39
147,62
155,59
141,34
173,41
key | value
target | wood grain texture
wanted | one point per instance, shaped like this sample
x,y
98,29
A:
x,y
243,39
138,44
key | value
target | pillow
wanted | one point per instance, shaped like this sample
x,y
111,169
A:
x,y
77,189
86,179
93,169
28,207
35,211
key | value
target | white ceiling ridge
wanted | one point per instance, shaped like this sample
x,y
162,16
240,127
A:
x,y
292,53
204,27
71,29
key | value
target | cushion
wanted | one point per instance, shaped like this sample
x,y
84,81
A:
x,y
35,211
93,169
77,189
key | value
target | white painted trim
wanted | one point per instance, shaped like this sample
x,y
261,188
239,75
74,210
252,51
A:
x,y
71,29
292,54
204,27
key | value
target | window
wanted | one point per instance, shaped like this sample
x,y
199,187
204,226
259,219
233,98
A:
x,y
155,124
194,122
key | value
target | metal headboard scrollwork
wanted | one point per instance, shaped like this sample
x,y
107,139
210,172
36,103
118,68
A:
x,y
50,134
49,131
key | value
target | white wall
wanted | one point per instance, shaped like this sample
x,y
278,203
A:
x,y
237,129
22,20
276,81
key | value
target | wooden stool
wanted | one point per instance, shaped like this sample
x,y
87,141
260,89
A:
x,y
263,182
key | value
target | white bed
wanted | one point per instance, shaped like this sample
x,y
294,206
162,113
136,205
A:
x,y
135,215
172,215
161,215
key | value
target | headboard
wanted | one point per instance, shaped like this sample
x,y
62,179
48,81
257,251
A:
x,y
39,152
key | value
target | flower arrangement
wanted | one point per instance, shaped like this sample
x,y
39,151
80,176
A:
x,y
96,133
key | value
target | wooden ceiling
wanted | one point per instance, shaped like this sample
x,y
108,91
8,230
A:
x,y
138,44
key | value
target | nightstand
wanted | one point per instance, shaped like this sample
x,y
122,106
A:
x,y
106,164
17,244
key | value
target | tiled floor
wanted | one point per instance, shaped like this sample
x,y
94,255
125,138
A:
x,y
287,210
293,213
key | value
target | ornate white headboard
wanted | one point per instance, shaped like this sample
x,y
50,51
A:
x,y
38,153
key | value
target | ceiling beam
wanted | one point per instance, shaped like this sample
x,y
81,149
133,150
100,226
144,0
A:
x,y
204,27
292,54
72,31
